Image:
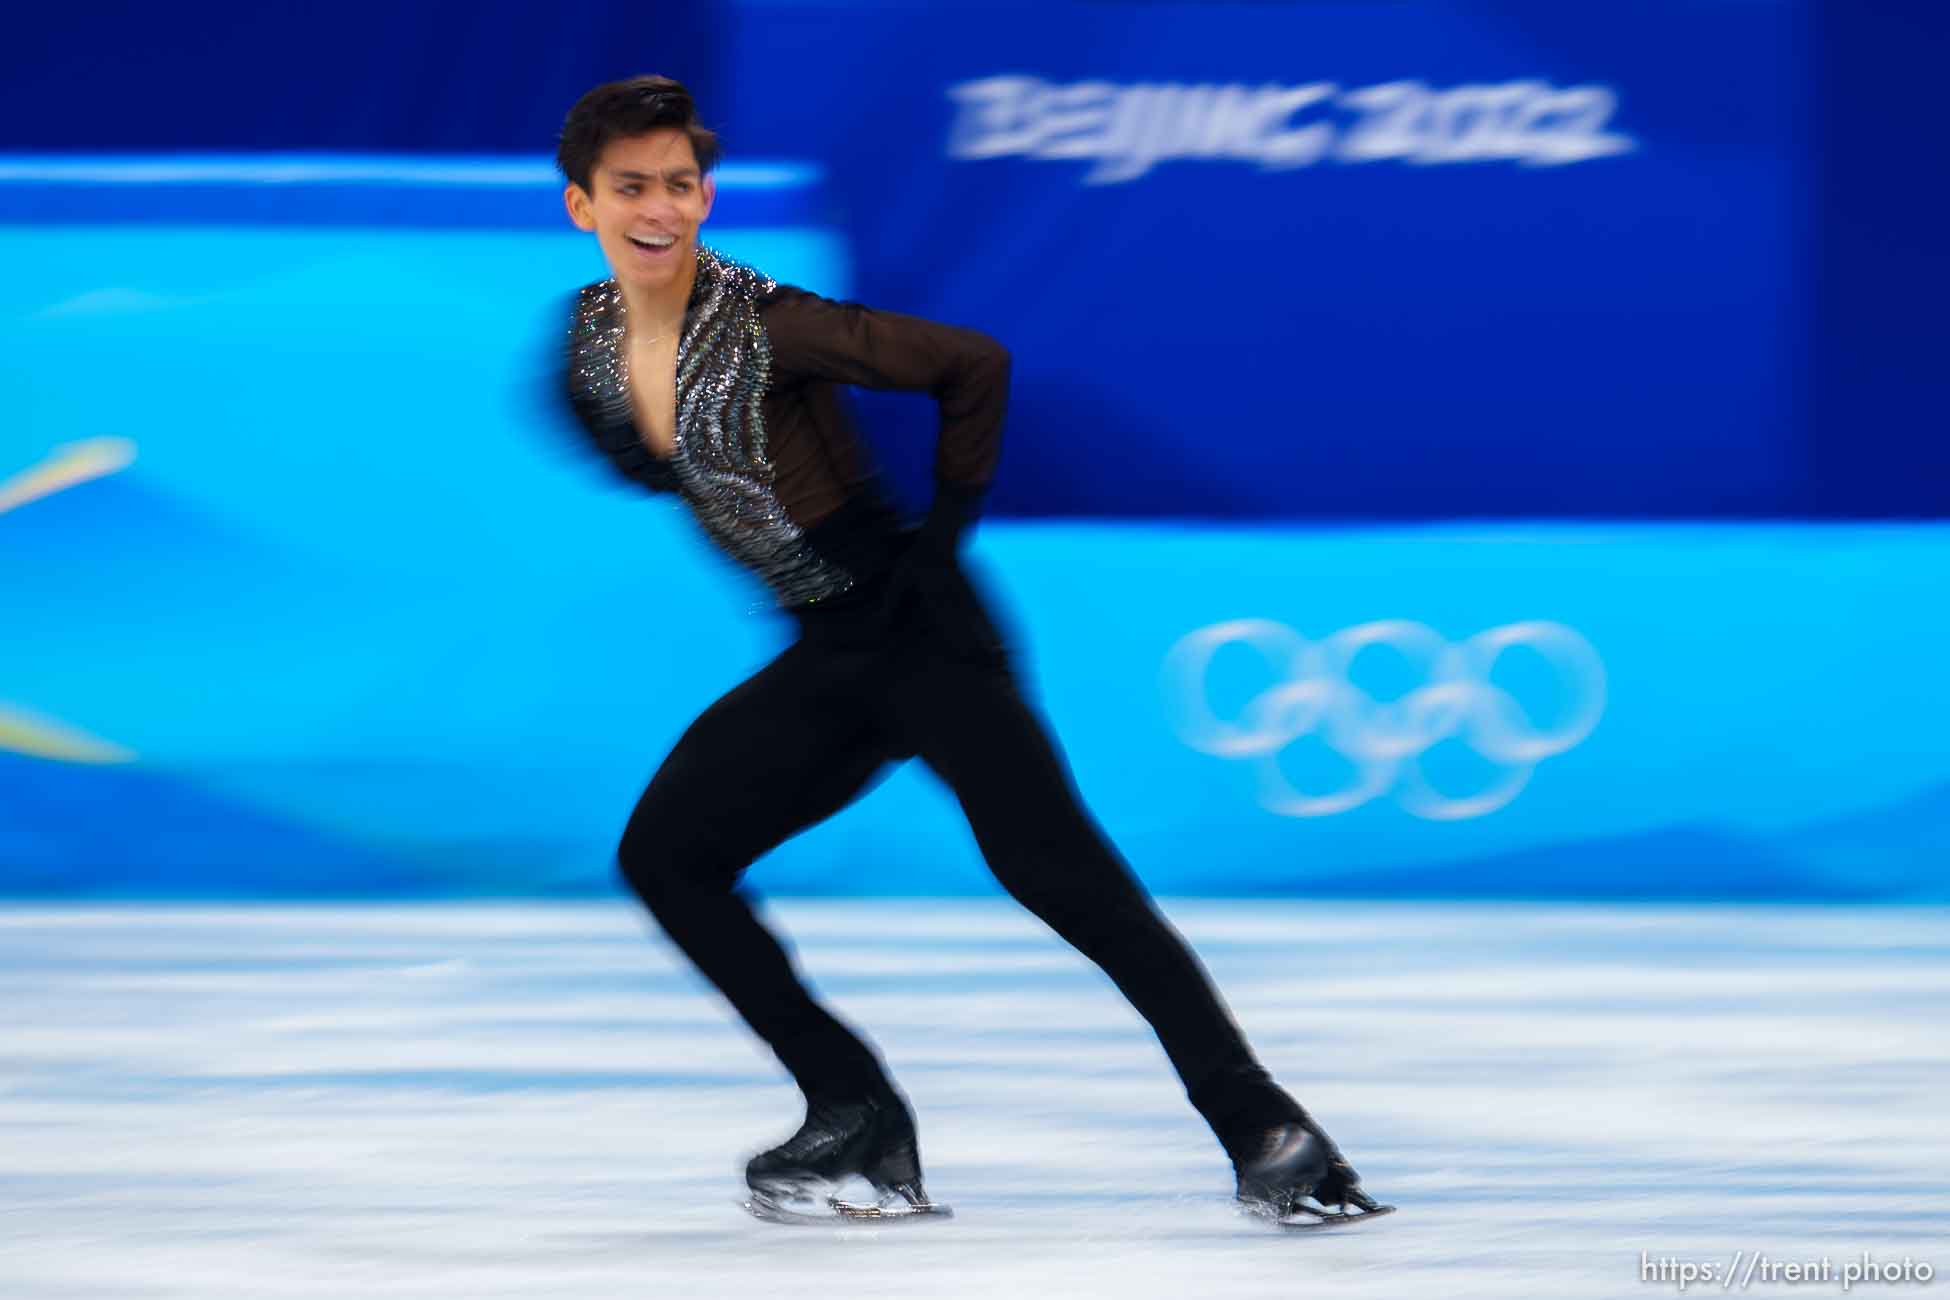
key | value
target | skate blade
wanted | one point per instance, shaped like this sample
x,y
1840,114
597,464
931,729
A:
x,y
1311,1215
893,1211
833,1211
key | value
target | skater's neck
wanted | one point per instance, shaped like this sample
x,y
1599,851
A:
x,y
657,310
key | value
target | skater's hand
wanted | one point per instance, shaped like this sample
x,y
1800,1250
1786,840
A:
x,y
929,574
945,530
929,563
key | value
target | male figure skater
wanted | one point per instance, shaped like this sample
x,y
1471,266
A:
x,y
698,376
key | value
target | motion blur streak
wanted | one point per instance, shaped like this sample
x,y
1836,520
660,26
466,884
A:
x,y
78,462
75,463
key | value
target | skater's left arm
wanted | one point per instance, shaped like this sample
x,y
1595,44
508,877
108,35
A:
x,y
964,370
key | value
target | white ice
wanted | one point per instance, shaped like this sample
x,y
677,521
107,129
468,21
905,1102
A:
x,y
528,1100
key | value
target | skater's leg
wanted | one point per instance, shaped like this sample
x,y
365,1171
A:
x,y
972,726
787,748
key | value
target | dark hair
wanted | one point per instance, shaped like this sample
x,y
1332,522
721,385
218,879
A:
x,y
619,109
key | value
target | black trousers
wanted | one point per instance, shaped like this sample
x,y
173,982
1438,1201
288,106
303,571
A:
x,y
874,683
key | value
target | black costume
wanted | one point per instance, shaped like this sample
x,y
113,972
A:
x,y
896,657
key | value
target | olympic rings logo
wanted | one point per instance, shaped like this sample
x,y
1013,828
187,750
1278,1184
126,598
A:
x,y
1383,740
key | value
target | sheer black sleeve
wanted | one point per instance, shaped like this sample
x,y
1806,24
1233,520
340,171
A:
x,y
964,370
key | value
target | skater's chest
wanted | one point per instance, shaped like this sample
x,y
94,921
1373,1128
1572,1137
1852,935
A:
x,y
652,386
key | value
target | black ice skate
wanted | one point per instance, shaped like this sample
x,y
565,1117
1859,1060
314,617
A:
x,y
796,1181
1298,1179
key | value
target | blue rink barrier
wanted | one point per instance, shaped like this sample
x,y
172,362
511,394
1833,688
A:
x,y
1737,713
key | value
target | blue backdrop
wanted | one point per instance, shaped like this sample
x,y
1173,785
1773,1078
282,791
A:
x,y
1424,258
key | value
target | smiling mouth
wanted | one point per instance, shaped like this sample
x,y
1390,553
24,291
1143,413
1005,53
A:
x,y
654,244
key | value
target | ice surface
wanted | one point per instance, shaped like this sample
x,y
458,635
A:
x,y
520,1100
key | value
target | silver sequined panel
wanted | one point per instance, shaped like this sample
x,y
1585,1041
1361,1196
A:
x,y
724,364
596,377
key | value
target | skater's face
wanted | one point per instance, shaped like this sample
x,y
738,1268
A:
x,y
645,202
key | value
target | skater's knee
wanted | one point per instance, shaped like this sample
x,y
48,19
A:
x,y
642,871
647,866
661,863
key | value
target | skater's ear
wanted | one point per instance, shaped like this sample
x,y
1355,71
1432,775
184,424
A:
x,y
581,208
708,191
